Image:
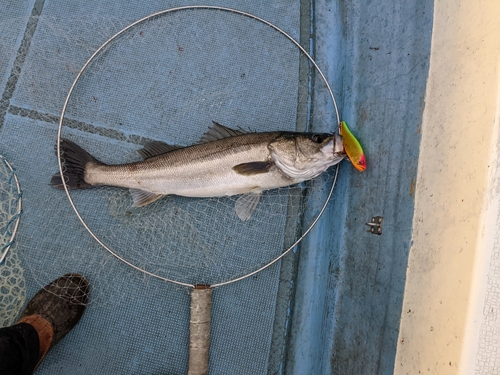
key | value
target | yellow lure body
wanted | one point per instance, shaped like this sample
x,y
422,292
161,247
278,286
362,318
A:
x,y
352,148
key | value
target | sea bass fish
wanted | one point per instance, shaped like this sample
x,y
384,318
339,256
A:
x,y
225,162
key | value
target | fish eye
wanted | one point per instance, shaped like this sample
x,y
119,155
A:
x,y
318,138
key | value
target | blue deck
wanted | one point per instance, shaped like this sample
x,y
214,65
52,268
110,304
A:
x,y
333,307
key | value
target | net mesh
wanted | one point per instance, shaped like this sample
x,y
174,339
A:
x,y
12,288
197,81
12,282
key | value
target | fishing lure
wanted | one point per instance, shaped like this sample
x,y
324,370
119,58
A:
x,y
352,148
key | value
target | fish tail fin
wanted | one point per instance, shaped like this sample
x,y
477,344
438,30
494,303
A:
x,y
74,161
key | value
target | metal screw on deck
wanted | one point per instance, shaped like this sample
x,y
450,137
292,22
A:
x,y
375,225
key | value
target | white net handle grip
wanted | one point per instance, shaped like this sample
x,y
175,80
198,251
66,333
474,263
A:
x,y
199,329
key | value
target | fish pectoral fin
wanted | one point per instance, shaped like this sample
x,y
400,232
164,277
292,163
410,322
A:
x,y
155,148
246,205
218,131
143,198
253,167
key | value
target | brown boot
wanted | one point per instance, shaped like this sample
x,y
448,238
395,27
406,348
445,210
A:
x,y
56,309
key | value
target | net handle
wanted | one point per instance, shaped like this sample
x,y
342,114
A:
x,y
199,329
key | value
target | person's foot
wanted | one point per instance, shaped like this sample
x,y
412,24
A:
x,y
56,309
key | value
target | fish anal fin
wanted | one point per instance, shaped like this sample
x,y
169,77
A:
x,y
246,205
218,131
143,198
155,148
253,168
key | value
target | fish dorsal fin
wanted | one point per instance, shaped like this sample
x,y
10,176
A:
x,y
155,148
143,198
218,131
246,205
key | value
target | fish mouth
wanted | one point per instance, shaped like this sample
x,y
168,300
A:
x,y
337,146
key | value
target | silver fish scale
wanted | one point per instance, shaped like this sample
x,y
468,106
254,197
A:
x,y
204,170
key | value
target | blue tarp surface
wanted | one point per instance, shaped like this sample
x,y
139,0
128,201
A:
x,y
331,307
